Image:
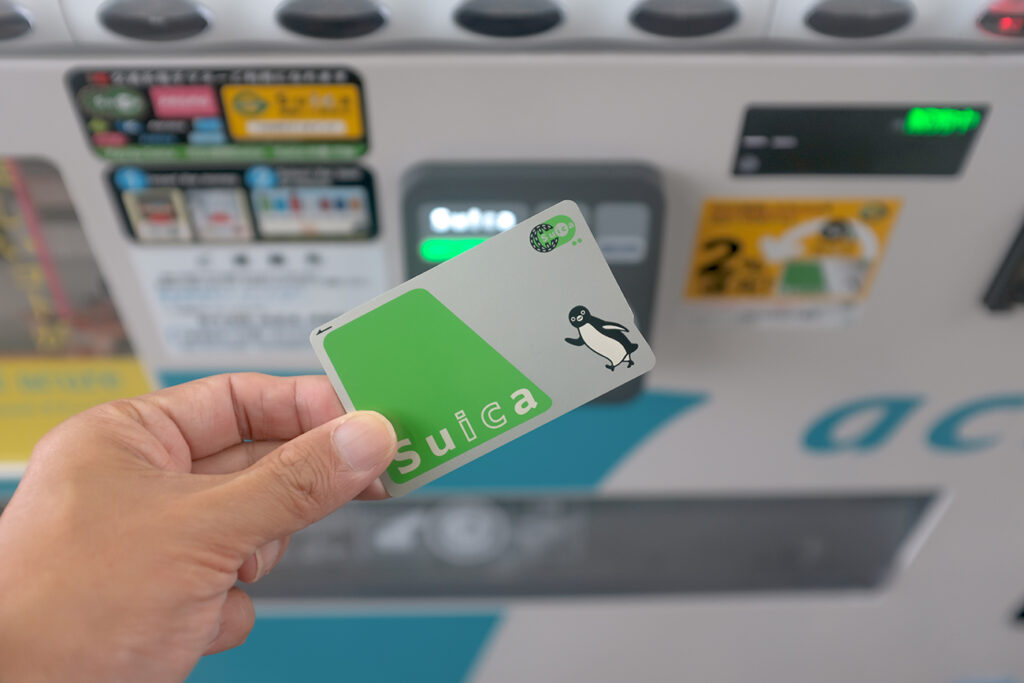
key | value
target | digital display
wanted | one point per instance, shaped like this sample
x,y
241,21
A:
x,y
461,227
448,228
438,250
941,121
925,139
445,220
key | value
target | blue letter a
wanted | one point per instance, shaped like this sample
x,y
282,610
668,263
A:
x,y
883,414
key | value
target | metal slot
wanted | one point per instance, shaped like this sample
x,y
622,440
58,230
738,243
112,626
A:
x,y
1007,288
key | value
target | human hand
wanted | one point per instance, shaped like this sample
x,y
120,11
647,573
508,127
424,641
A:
x,y
120,549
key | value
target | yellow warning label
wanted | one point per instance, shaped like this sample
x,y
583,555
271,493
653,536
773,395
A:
x,y
328,111
819,250
37,393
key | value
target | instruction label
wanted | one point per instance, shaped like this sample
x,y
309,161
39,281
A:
x,y
259,299
221,115
791,260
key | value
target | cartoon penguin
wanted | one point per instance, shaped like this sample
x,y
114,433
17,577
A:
x,y
603,338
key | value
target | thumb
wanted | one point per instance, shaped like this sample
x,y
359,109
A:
x,y
305,479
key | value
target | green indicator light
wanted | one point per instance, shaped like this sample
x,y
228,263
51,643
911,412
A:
x,y
941,121
438,249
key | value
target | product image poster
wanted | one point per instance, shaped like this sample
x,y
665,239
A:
x,y
62,346
221,115
487,346
795,260
221,204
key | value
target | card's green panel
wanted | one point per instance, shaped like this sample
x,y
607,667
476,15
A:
x,y
444,388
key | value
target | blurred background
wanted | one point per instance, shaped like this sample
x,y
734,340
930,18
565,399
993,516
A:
x,y
813,206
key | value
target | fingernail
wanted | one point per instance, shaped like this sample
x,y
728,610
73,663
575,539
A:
x,y
364,441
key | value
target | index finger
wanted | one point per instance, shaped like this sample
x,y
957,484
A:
x,y
217,412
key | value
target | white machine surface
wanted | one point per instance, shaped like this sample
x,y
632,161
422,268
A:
x,y
821,479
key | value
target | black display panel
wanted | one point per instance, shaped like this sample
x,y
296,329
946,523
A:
x,y
904,140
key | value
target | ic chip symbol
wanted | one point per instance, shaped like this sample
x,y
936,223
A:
x,y
543,238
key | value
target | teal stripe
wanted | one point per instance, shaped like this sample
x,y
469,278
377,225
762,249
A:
x,y
405,648
7,487
169,378
575,452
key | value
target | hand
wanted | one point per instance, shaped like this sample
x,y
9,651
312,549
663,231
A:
x,y
120,550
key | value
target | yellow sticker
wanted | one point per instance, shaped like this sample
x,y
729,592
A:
x,y
819,251
38,393
292,112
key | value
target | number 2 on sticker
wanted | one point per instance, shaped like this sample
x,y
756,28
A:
x,y
715,274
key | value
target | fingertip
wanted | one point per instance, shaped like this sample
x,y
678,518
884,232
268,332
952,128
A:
x,y
238,616
382,422
365,440
307,478
249,570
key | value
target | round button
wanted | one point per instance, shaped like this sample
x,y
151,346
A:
x,y
331,18
154,19
14,21
508,18
860,18
684,18
1004,18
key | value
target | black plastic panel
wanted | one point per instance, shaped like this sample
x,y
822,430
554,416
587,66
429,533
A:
x,y
331,18
157,20
1007,288
508,18
860,18
924,139
574,546
684,18
14,21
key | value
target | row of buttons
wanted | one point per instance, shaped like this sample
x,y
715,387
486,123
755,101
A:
x,y
171,20
175,19
164,20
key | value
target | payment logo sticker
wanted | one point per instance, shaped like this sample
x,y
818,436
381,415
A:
x,y
293,112
553,233
112,101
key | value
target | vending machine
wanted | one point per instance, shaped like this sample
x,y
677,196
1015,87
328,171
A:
x,y
812,206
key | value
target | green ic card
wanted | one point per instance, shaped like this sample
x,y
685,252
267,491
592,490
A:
x,y
487,346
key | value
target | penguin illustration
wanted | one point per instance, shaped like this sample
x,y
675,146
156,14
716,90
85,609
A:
x,y
603,338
